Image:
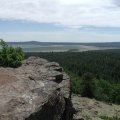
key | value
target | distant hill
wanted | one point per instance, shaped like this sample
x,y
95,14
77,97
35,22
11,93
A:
x,y
106,44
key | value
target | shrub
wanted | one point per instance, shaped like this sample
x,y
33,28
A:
x,y
9,56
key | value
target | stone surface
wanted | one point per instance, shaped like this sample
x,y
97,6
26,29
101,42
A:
x,y
38,90
91,109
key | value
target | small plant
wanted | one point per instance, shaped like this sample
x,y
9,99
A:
x,y
109,118
9,56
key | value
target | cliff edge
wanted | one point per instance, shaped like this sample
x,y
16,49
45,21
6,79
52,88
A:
x,y
38,90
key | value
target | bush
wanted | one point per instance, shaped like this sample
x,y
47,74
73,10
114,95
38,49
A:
x,y
115,94
9,56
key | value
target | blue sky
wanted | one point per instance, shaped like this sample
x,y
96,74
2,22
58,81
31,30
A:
x,y
60,20
26,26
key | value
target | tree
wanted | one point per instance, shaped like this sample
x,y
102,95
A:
x,y
9,56
3,43
87,85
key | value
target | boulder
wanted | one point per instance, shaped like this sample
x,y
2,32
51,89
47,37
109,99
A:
x,y
38,90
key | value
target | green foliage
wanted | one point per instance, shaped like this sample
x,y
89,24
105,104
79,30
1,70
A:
x,y
102,90
3,43
109,118
87,86
115,94
9,56
75,82
103,65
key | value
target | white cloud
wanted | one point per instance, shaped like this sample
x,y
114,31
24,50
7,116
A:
x,y
85,2
72,13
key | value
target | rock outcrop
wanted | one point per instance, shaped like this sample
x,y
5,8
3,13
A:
x,y
91,109
38,90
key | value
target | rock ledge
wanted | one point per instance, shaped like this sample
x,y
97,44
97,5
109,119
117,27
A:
x,y
38,90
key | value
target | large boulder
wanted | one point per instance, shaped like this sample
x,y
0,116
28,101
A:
x,y
38,90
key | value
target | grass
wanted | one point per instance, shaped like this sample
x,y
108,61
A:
x,y
109,118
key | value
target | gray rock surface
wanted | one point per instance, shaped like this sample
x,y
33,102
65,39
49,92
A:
x,y
38,90
91,109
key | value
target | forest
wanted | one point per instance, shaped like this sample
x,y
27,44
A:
x,y
94,74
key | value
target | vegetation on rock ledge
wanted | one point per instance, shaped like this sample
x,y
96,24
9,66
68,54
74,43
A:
x,y
9,56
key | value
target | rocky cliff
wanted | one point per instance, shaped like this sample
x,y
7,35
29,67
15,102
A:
x,y
38,90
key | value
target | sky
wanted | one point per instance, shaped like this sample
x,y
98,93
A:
x,y
60,20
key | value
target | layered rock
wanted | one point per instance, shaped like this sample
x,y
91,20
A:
x,y
38,90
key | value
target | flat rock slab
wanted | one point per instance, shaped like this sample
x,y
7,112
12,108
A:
x,y
91,109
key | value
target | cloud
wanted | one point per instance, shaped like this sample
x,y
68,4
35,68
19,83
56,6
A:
x,y
117,2
70,13
37,10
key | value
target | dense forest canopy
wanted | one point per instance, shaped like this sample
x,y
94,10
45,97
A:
x,y
103,65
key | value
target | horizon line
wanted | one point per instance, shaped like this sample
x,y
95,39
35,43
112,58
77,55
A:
x,y
62,42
